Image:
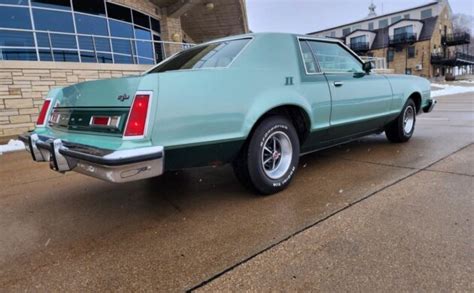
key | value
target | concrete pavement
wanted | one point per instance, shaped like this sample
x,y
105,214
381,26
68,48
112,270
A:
x,y
368,215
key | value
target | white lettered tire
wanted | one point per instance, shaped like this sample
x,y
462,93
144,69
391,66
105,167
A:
x,y
269,159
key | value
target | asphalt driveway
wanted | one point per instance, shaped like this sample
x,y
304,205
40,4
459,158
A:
x,y
368,215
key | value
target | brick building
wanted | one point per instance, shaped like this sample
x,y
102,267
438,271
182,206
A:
x,y
420,40
50,43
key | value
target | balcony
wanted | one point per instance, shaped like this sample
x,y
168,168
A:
x,y
360,47
456,39
456,59
402,39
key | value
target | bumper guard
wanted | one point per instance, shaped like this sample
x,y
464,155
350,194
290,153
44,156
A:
x,y
109,165
431,103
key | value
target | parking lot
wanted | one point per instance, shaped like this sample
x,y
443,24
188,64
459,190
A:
x,y
368,215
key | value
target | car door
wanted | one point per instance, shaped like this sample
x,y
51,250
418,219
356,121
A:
x,y
360,101
315,89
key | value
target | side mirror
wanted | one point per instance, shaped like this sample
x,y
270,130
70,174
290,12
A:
x,y
367,67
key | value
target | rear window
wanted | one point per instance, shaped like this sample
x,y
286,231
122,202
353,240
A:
x,y
213,55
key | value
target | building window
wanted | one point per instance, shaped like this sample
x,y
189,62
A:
x,y
396,18
406,16
15,17
78,31
371,26
403,31
88,6
333,34
390,55
49,20
359,39
119,12
346,31
141,19
426,13
56,4
15,2
383,23
411,52
91,25
16,39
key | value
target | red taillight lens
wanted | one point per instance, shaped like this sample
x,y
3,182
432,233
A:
x,y
102,121
43,112
138,115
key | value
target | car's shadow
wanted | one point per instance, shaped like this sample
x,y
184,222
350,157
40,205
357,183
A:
x,y
77,203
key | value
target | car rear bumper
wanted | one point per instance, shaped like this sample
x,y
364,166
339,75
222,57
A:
x,y
428,108
109,165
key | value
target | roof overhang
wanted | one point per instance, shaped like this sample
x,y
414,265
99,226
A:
x,y
411,21
204,20
359,31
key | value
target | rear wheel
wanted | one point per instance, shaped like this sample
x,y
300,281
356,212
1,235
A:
x,y
402,128
269,159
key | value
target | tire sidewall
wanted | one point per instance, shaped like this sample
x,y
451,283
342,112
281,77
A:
x,y
262,182
401,130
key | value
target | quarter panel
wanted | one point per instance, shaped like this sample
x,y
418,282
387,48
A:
x,y
405,85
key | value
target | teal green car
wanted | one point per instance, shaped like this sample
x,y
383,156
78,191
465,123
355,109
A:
x,y
257,101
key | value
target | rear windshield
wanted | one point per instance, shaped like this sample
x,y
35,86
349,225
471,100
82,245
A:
x,y
213,55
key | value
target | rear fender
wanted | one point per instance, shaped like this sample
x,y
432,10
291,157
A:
x,y
271,100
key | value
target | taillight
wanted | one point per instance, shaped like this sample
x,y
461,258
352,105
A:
x,y
43,113
101,121
137,119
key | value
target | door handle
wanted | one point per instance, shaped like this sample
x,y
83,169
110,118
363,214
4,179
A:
x,y
338,83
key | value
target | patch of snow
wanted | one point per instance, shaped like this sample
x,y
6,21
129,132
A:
x,y
447,89
11,146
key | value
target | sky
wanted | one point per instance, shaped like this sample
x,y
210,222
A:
x,y
304,16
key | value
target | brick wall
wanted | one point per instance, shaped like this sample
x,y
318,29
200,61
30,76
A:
x,y
444,19
23,85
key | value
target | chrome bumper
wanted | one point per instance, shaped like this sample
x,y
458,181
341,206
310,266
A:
x,y
109,165
431,103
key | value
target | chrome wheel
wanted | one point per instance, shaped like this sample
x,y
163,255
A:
x,y
408,119
276,155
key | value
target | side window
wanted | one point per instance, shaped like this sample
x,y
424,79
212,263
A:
x,y
332,57
308,59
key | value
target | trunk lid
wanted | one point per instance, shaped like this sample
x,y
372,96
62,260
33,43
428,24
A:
x,y
76,106
116,92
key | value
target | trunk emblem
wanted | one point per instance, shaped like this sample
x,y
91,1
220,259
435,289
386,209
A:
x,y
123,97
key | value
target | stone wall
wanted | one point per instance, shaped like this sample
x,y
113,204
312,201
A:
x,y
422,57
444,19
24,84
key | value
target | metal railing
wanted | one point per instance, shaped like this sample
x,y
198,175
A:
x,y
360,46
402,38
60,46
457,57
378,63
456,39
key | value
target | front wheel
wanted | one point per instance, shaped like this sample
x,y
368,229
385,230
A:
x,y
402,128
269,159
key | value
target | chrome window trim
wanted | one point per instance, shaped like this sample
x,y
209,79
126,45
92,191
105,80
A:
x,y
325,40
314,58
